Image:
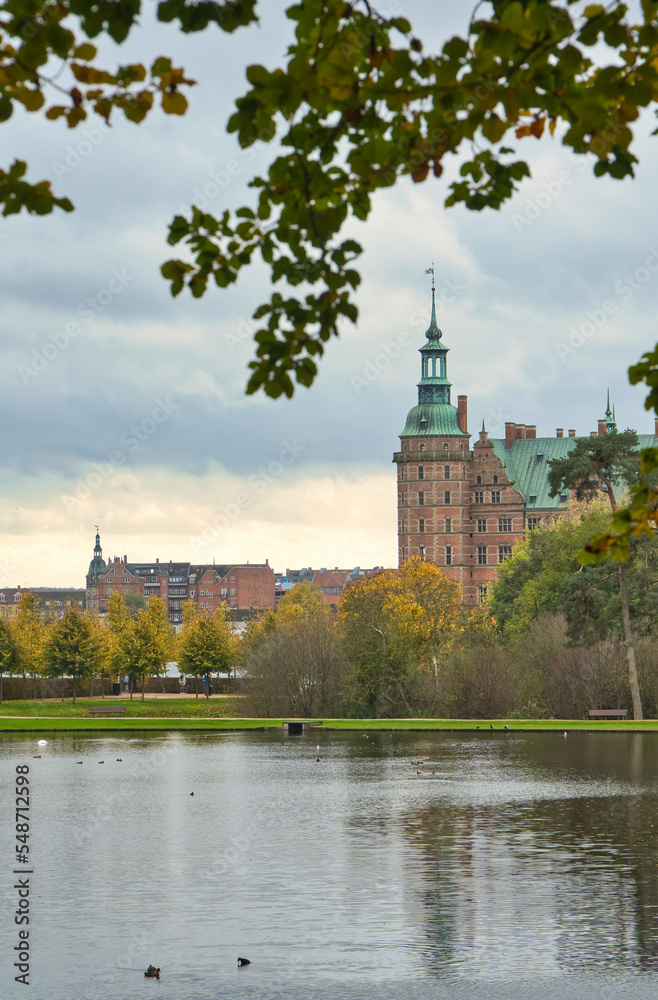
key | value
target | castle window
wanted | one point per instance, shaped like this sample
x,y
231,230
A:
x,y
495,496
448,525
446,472
401,473
482,524
495,479
421,525
448,555
478,496
533,522
421,499
563,498
482,555
478,479
421,551
446,497
403,552
504,552
421,471
482,592
446,446
422,447
504,523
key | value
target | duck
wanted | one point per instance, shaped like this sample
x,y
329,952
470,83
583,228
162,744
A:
x,y
243,961
152,972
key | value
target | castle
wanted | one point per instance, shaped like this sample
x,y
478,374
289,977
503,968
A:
x,y
464,508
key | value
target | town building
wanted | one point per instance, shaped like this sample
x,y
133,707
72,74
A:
x,y
330,582
53,601
464,508
242,587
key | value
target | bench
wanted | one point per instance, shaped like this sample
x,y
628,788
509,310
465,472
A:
x,y
107,710
607,713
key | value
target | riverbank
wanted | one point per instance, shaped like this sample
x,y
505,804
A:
x,y
222,713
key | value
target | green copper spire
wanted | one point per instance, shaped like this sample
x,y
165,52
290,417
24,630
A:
x,y
434,415
610,421
97,564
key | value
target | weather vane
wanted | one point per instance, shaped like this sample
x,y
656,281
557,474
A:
x,y
430,270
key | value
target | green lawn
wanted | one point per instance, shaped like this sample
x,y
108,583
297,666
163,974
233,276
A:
x,y
223,713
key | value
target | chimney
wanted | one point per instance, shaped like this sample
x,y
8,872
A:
x,y
602,428
462,415
593,434
521,431
171,566
531,432
559,432
572,432
157,561
509,433
125,559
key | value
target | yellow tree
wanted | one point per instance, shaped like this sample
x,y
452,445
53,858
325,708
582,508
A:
x,y
8,652
205,644
150,642
395,624
29,633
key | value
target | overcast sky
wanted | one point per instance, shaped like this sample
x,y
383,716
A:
x,y
136,419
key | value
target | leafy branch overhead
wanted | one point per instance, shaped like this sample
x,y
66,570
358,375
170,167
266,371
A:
x,y
360,104
357,105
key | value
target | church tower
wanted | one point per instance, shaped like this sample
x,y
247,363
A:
x,y
433,466
96,569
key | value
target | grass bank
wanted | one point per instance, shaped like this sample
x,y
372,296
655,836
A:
x,y
223,714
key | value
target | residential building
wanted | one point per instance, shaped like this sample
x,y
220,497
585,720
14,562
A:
x,y
242,587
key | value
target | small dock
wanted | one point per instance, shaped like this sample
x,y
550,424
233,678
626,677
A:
x,y
295,727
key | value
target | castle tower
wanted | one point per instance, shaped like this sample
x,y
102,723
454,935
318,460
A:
x,y
433,466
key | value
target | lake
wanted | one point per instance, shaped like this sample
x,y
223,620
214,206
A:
x,y
503,865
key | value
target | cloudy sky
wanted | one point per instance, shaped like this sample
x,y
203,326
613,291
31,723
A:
x,y
136,418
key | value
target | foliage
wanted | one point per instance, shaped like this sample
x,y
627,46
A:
x,y
292,658
73,647
357,105
9,662
205,644
148,641
529,583
394,624
29,633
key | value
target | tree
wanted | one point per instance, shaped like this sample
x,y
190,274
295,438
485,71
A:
x,y
29,632
206,644
598,465
358,105
292,658
73,648
8,652
529,583
148,642
395,624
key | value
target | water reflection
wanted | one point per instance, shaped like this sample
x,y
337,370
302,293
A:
x,y
500,865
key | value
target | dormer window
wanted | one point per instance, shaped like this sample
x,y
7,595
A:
x,y
495,479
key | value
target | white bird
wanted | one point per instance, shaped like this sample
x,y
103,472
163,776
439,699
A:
x,y
43,743
564,734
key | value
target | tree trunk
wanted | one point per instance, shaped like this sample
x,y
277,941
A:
x,y
196,685
0,689
207,686
24,687
74,688
142,687
628,645
131,685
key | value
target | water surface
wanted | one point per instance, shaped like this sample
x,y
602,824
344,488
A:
x,y
519,865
